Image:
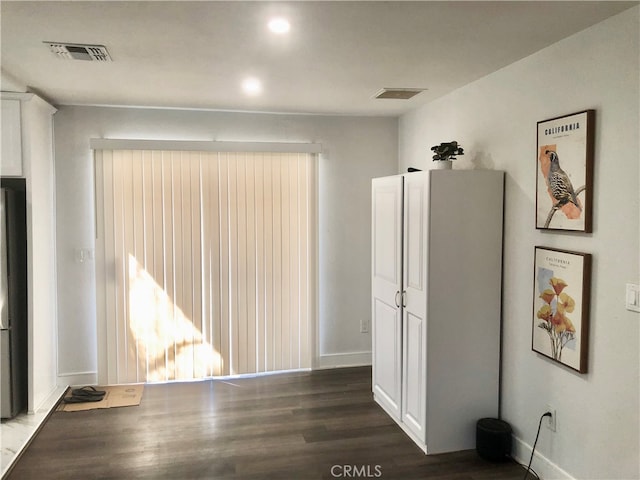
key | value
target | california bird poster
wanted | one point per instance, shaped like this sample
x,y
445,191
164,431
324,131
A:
x,y
564,168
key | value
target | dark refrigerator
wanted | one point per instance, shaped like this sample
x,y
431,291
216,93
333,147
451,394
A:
x,y
13,299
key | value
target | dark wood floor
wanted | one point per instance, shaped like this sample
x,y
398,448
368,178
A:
x,y
286,427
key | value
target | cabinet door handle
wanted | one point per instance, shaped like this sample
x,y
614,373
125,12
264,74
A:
x,y
404,299
396,299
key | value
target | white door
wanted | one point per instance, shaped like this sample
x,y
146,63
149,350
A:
x,y
386,222
414,301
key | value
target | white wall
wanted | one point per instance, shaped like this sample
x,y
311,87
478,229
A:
x,y
355,149
495,121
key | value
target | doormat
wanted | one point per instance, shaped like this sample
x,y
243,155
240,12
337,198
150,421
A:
x,y
115,396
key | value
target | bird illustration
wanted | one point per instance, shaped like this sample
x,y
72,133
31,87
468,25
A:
x,y
559,183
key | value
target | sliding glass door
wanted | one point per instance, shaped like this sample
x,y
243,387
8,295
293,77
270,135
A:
x,y
205,263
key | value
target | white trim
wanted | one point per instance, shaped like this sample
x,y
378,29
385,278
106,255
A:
x,y
361,114
224,378
78,378
335,360
50,109
73,374
541,464
315,288
202,146
50,400
25,97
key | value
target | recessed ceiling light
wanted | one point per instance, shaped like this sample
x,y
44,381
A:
x,y
252,86
279,25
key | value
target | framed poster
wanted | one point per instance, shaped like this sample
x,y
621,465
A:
x,y
564,172
560,327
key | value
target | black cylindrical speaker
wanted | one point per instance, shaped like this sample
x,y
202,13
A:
x,y
493,439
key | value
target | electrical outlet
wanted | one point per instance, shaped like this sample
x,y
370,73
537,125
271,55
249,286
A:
x,y
364,326
551,421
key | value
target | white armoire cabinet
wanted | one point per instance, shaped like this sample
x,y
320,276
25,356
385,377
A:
x,y
436,288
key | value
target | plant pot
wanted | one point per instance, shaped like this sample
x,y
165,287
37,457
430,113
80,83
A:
x,y
443,164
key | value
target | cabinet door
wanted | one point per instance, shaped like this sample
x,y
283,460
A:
x,y
387,276
414,303
11,159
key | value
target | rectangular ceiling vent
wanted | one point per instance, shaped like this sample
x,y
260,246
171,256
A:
x,y
399,93
75,51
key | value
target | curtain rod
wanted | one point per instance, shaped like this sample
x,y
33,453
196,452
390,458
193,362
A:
x,y
202,146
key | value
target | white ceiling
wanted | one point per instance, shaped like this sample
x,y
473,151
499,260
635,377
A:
x,y
337,56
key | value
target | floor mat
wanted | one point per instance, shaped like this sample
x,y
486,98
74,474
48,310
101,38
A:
x,y
115,396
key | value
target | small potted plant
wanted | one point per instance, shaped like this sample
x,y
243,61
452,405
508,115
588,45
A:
x,y
445,153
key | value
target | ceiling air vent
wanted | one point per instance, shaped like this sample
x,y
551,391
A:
x,y
75,51
399,93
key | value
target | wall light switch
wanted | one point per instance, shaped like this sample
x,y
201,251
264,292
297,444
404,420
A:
x,y
364,326
83,255
633,297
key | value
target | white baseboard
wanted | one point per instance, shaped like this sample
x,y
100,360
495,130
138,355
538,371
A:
x,y
78,378
50,400
337,360
542,465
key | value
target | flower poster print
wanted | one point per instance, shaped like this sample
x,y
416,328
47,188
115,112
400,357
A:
x,y
560,328
564,170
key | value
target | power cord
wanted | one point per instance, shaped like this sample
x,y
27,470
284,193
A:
x,y
533,450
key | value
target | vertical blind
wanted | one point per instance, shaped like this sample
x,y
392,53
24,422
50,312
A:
x,y
205,262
